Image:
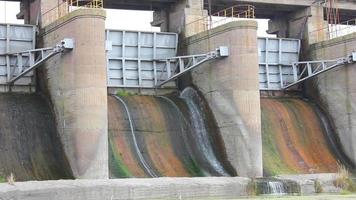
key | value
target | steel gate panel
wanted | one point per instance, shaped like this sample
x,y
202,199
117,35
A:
x,y
131,56
276,56
15,38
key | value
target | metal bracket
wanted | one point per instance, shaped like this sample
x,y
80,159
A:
x,y
36,57
177,66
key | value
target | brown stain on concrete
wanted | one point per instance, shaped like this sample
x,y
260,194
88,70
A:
x,y
153,136
294,135
119,135
156,135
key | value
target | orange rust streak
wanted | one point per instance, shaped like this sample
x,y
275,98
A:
x,y
276,111
299,136
158,144
116,129
316,149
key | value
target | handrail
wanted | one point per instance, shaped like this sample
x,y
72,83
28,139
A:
x,y
222,17
336,30
68,6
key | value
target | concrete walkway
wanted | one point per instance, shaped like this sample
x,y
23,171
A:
x,y
154,188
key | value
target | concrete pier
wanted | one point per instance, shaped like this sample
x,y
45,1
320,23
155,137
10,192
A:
x,y
76,84
231,87
183,17
336,90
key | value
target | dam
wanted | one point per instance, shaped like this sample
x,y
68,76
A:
x,y
205,108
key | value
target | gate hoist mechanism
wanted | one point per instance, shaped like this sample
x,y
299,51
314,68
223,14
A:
x,y
29,60
177,66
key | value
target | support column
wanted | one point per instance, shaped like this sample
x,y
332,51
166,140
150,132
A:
x,y
306,24
180,18
76,84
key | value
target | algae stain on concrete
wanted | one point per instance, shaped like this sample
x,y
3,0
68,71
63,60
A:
x,y
304,149
117,166
273,165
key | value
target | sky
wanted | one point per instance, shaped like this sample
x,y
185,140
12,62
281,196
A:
x,y
138,20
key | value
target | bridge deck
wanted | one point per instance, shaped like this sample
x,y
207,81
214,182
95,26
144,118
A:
x,y
264,8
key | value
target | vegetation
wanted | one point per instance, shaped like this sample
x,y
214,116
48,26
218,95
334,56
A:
x,y
252,188
123,93
318,187
344,180
2,179
11,179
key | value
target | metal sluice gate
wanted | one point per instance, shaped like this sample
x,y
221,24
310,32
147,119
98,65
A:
x,y
149,59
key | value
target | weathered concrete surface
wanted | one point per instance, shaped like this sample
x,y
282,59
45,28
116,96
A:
x,y
76,84
231,88
307,23
309,182
30,147
157,188
182,17
336,90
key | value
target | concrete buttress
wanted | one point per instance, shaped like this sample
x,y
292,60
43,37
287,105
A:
x,y
231,88
76,84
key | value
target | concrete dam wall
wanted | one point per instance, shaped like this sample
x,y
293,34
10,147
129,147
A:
x,y
30,146
212,130
170,136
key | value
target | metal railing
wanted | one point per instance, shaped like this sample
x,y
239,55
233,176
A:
x,y
222,17
68,6
334,30
74,4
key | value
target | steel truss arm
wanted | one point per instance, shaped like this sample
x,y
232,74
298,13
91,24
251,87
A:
x,y
305,70
27,61
177,66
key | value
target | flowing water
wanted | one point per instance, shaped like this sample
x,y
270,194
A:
x,y
204,145
276,187
164,136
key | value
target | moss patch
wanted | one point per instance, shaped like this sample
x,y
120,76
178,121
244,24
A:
x,y
273,165
193,168
2,179
117,167
123,93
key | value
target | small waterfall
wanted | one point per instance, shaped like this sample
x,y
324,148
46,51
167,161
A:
x,y
173,136
275,188
197,119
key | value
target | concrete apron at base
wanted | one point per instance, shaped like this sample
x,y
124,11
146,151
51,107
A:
x,y
154,188
76,84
